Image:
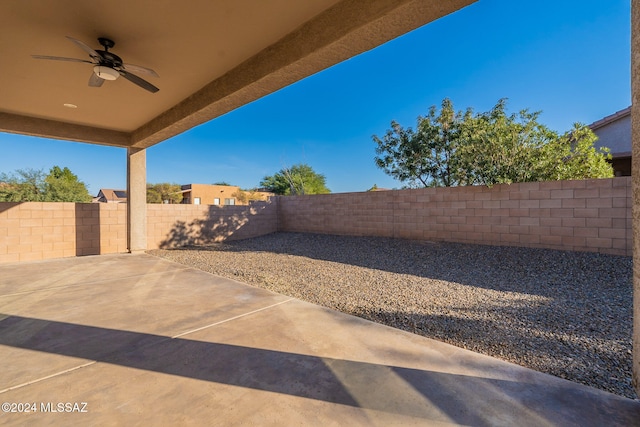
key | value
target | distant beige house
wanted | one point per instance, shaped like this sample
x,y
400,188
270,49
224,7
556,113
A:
x,y
107,195
195,194
207,194
220,195
614,132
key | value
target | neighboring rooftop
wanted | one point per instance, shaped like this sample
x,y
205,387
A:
x,y
107,195
610,119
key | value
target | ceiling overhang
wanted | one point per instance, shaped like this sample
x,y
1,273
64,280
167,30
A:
x,y
212,57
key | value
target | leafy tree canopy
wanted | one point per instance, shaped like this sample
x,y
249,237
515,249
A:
x,y
158,193
296,180
30,185
63,186
450,148
24,185
245,196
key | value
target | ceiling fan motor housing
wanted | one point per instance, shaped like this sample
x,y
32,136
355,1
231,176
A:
x,y
108,62
109,59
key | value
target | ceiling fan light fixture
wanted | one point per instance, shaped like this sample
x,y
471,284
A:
x,y
105,73
107,65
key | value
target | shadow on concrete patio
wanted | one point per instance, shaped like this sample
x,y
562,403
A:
x,y
464,399
597,358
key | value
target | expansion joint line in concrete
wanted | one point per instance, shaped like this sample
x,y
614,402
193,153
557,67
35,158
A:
x,y
84,365
231,318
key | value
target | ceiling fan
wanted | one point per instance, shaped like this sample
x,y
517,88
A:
x,y
107,65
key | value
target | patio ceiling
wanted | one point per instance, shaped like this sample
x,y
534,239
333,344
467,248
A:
x,y
211,56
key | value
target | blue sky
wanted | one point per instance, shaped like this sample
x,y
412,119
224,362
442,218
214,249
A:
x,y
569,59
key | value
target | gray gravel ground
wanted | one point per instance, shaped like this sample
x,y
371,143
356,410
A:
x,y
568,314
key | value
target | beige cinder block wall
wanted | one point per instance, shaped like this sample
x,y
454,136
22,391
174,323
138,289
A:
x,y
635,139
35,230
179,225
591,215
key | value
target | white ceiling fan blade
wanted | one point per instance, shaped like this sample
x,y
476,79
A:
x,y
60,58
139,69
86,48
139,81
95,81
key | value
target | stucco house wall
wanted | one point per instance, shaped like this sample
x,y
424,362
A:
x,y
209,193
614,132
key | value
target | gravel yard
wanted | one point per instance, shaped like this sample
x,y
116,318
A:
x,y
565,313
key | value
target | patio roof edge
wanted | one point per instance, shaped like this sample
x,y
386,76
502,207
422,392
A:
x,y
44,128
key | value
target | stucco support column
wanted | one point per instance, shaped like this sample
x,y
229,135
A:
x,y
137,200
635,168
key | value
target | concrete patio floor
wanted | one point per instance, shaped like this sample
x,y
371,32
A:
x,y
143,341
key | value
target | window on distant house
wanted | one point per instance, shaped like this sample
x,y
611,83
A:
x,y
229,202
196,200
216,201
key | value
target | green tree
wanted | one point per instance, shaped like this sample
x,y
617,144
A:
x,y
63,186
455,148
245,196
424,157
158,193
25,185
296,180
574,156
30,185
497,148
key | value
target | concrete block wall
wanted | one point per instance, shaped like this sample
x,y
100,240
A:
x,y
34,231
171,226
355,214
589,215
